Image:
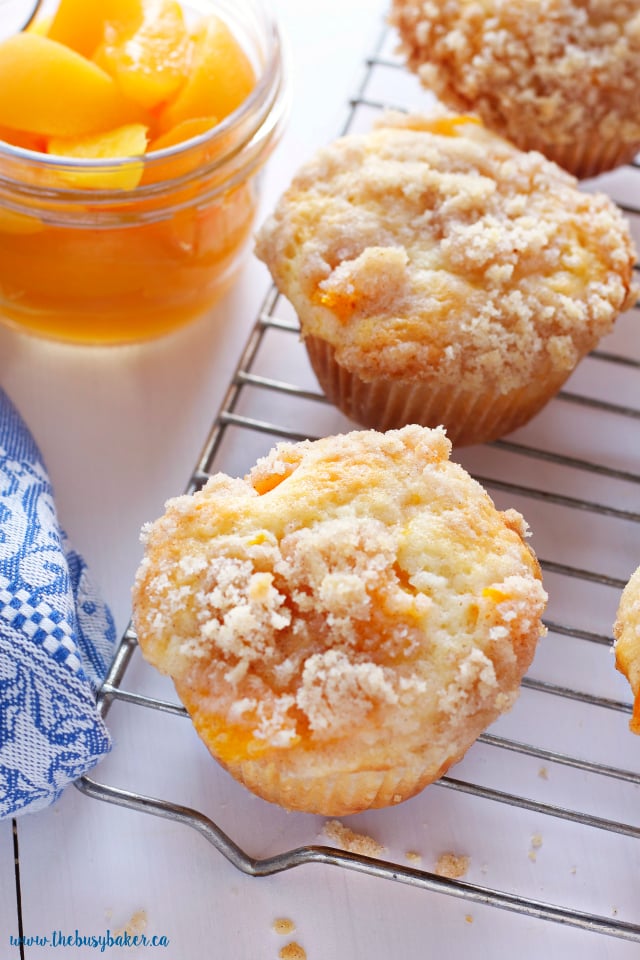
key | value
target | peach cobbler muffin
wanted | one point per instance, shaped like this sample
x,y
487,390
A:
x,y
442,276
626,631
342,623
559,76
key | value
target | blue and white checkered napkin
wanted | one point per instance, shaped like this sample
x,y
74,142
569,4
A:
x,y
56,637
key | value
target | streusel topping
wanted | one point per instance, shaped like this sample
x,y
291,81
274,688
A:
x,y
430,246
561,67
356,587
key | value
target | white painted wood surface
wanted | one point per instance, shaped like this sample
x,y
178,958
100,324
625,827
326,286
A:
x,y
121,430
8,906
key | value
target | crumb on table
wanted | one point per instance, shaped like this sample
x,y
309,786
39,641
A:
x,y
293,951
536,843
136,925
413,856
283,925
451,865
353,842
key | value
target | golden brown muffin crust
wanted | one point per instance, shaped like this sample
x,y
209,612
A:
x,y
626,631
354,603
430,247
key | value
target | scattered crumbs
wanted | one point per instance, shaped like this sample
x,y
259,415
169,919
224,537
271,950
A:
x,y
536,843
351,841
614,911
469,918
452,866
137,924
413,856
574,870
543,773
484,869
293,951
283,925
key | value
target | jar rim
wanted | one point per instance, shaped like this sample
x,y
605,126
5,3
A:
x,y
265,93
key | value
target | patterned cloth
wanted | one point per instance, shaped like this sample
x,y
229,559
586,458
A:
x,y
56,637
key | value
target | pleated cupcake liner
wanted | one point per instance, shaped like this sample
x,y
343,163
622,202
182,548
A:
x,y
469,417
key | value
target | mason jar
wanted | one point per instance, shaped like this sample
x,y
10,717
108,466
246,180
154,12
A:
x,y
86,262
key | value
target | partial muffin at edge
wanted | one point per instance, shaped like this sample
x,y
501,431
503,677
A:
x,y
626,632
558,76
345,621
442,276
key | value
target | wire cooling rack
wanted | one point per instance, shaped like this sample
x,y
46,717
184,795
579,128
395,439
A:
x,y
574,472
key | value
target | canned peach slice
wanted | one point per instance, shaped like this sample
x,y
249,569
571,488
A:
x,y
47,88
123,142
81,25
219,78
22,138
148,59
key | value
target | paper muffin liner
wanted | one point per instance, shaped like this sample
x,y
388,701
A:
x,y
469,417
582,159
336,794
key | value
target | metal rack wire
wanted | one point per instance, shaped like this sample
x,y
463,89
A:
x,y
273,395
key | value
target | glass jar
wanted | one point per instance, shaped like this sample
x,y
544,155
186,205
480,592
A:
x,y
83,262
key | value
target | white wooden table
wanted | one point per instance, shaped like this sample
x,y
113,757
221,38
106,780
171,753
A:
x,y
121,430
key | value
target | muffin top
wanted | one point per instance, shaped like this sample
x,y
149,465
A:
x,y
562,67
626,631
359,589
430,246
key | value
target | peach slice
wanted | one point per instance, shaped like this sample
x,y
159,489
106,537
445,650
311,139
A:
x,y
46,88
219,78
123,142
41,26
182,131
148,60
80,24
24,139
169,168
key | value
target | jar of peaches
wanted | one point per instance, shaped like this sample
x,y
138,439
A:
x,y
132,134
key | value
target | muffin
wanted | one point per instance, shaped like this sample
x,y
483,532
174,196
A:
x,y
626,631
559,76
342,623
442,276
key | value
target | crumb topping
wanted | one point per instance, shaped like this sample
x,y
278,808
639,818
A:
x,y
416,253
374,581
569,69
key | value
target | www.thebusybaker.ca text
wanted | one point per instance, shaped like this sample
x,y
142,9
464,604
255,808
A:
x,y
100,942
